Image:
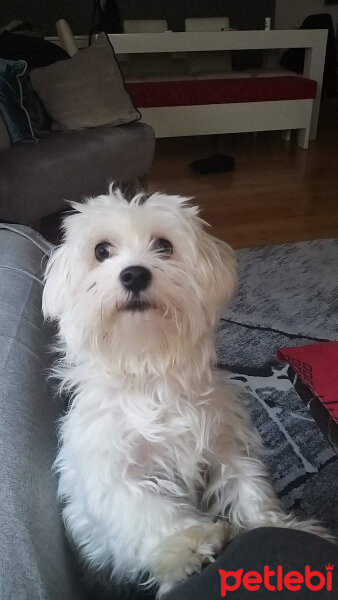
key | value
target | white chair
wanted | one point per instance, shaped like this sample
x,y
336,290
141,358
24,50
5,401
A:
x,y
66,37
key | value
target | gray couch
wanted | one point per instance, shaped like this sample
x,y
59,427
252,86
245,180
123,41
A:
x,y
36,562
36,178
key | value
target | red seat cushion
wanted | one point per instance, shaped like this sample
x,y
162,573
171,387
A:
x,y
220,91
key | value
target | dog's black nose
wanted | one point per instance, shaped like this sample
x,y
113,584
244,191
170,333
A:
x,y
135,279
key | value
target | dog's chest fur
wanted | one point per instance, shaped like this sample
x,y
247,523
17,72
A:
x,y
158,439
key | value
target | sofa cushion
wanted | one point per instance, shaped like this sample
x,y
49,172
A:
x,y
221,91
36,561
12,109
36,181
86,90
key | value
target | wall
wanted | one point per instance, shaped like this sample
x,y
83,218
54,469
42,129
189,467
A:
x,y
291,13
245,14
44,13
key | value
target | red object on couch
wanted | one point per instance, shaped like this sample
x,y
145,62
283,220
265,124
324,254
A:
x,y
220,91
317,366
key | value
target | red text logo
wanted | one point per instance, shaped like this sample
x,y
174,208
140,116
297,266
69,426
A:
x,y
276,579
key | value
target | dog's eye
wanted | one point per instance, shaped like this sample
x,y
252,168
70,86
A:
x,y
163,247
103,251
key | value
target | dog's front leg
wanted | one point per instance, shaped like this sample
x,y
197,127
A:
x,y
168,539
186,551
240,489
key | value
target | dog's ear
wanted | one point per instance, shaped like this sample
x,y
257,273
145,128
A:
x,y
218,268
57,281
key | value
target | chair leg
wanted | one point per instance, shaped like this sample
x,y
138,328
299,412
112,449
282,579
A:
x,y
303,137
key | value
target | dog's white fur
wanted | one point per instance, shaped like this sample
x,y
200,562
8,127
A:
x,y
154,446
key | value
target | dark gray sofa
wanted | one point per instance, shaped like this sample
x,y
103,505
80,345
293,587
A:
x,y
34,554
36,178
36,562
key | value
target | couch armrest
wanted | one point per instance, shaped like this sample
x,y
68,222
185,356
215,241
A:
x,y
35,561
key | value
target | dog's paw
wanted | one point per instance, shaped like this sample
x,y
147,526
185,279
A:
x,y
185,552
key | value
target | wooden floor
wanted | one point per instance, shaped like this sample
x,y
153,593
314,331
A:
x,y
277,192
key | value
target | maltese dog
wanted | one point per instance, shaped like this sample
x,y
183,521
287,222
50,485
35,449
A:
x,y
157,462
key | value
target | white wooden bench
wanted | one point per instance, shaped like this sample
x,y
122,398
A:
x,y
285,115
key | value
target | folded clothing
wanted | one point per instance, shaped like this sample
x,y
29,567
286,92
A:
x,y
12,109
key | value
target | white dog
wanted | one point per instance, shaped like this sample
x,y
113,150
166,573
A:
x,y
157,459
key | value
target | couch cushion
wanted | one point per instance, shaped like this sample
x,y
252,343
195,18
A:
x,y
221,91
35,560
86,90
35,181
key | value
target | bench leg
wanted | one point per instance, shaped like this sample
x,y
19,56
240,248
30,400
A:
x,y
303,138
286,135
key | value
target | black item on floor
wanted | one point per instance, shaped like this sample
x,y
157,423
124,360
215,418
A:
x,y
293,59
37,52
216,163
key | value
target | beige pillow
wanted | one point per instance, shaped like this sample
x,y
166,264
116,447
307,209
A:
x,y
86,90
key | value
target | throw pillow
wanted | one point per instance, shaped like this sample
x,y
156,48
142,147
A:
x,y
12,110
85,91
